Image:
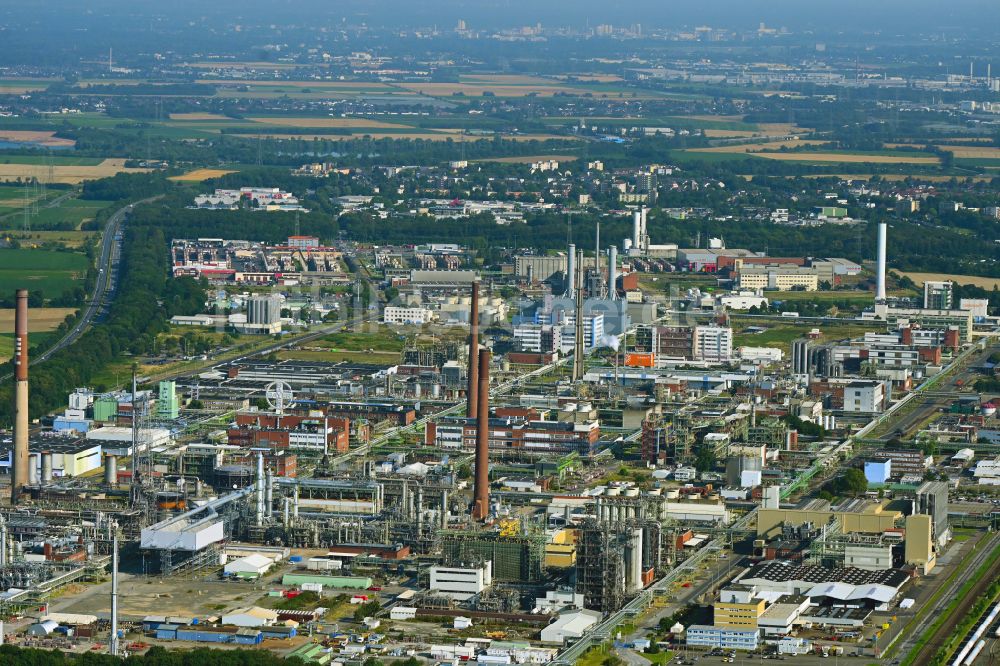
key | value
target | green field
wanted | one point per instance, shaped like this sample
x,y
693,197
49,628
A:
x,y
47,271
383,340
54,160
71,211
781,335
67,216
7,342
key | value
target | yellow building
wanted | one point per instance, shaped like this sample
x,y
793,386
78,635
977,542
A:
x,y
560,552
864,518
780,278
919,548
741,616
737,608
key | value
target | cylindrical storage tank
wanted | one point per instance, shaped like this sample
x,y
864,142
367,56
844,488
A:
x,y
33,465
110,470
46,467
170,501
613,492
233,476
435,391
673,493
631,492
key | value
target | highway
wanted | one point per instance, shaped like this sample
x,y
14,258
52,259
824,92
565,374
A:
x,y
107,277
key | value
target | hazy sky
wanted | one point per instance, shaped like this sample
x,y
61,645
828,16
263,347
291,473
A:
x,y
885,15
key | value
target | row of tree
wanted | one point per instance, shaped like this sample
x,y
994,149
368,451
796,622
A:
x,y
145,301
11,655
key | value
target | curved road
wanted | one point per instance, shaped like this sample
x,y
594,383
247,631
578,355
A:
x,y
107,276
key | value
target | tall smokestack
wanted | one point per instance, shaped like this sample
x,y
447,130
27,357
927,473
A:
x,y
636,229
113,640
613,272
880,268
472,391
644,238
20,471
481,494
597,256
571,272
578,336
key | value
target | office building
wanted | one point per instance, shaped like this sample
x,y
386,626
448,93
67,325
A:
x,y
878,471
167,405
712,343
737,608
865,397
461,583
937,295
932,500
722,637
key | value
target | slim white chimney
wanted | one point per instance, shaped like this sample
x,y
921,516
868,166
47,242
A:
x,y
636,228
880,267
571,272
613,272
644,238
597,256
113,648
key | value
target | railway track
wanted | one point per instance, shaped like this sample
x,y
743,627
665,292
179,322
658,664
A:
x,y
947,628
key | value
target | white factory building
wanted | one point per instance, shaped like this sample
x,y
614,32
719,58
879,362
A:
x,y
712,343
399,315
570,626
117,440
461,583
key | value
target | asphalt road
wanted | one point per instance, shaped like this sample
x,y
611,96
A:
x,y
107,264
913,632
933,401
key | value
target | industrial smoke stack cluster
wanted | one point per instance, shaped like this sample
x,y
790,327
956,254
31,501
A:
x,y
473,373
481,495
20,467
478,407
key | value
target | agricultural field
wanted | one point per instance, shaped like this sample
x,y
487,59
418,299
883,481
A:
x,y
72,174
984,282
7,342
40,320
68,216
199,175
48,271
414,133
18,86
973,152
894,177
339,123
529,159
758,148
68,239
784,151
194,116
35,137
54,160
849,158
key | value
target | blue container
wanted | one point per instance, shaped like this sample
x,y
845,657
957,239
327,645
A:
x,y
295,558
